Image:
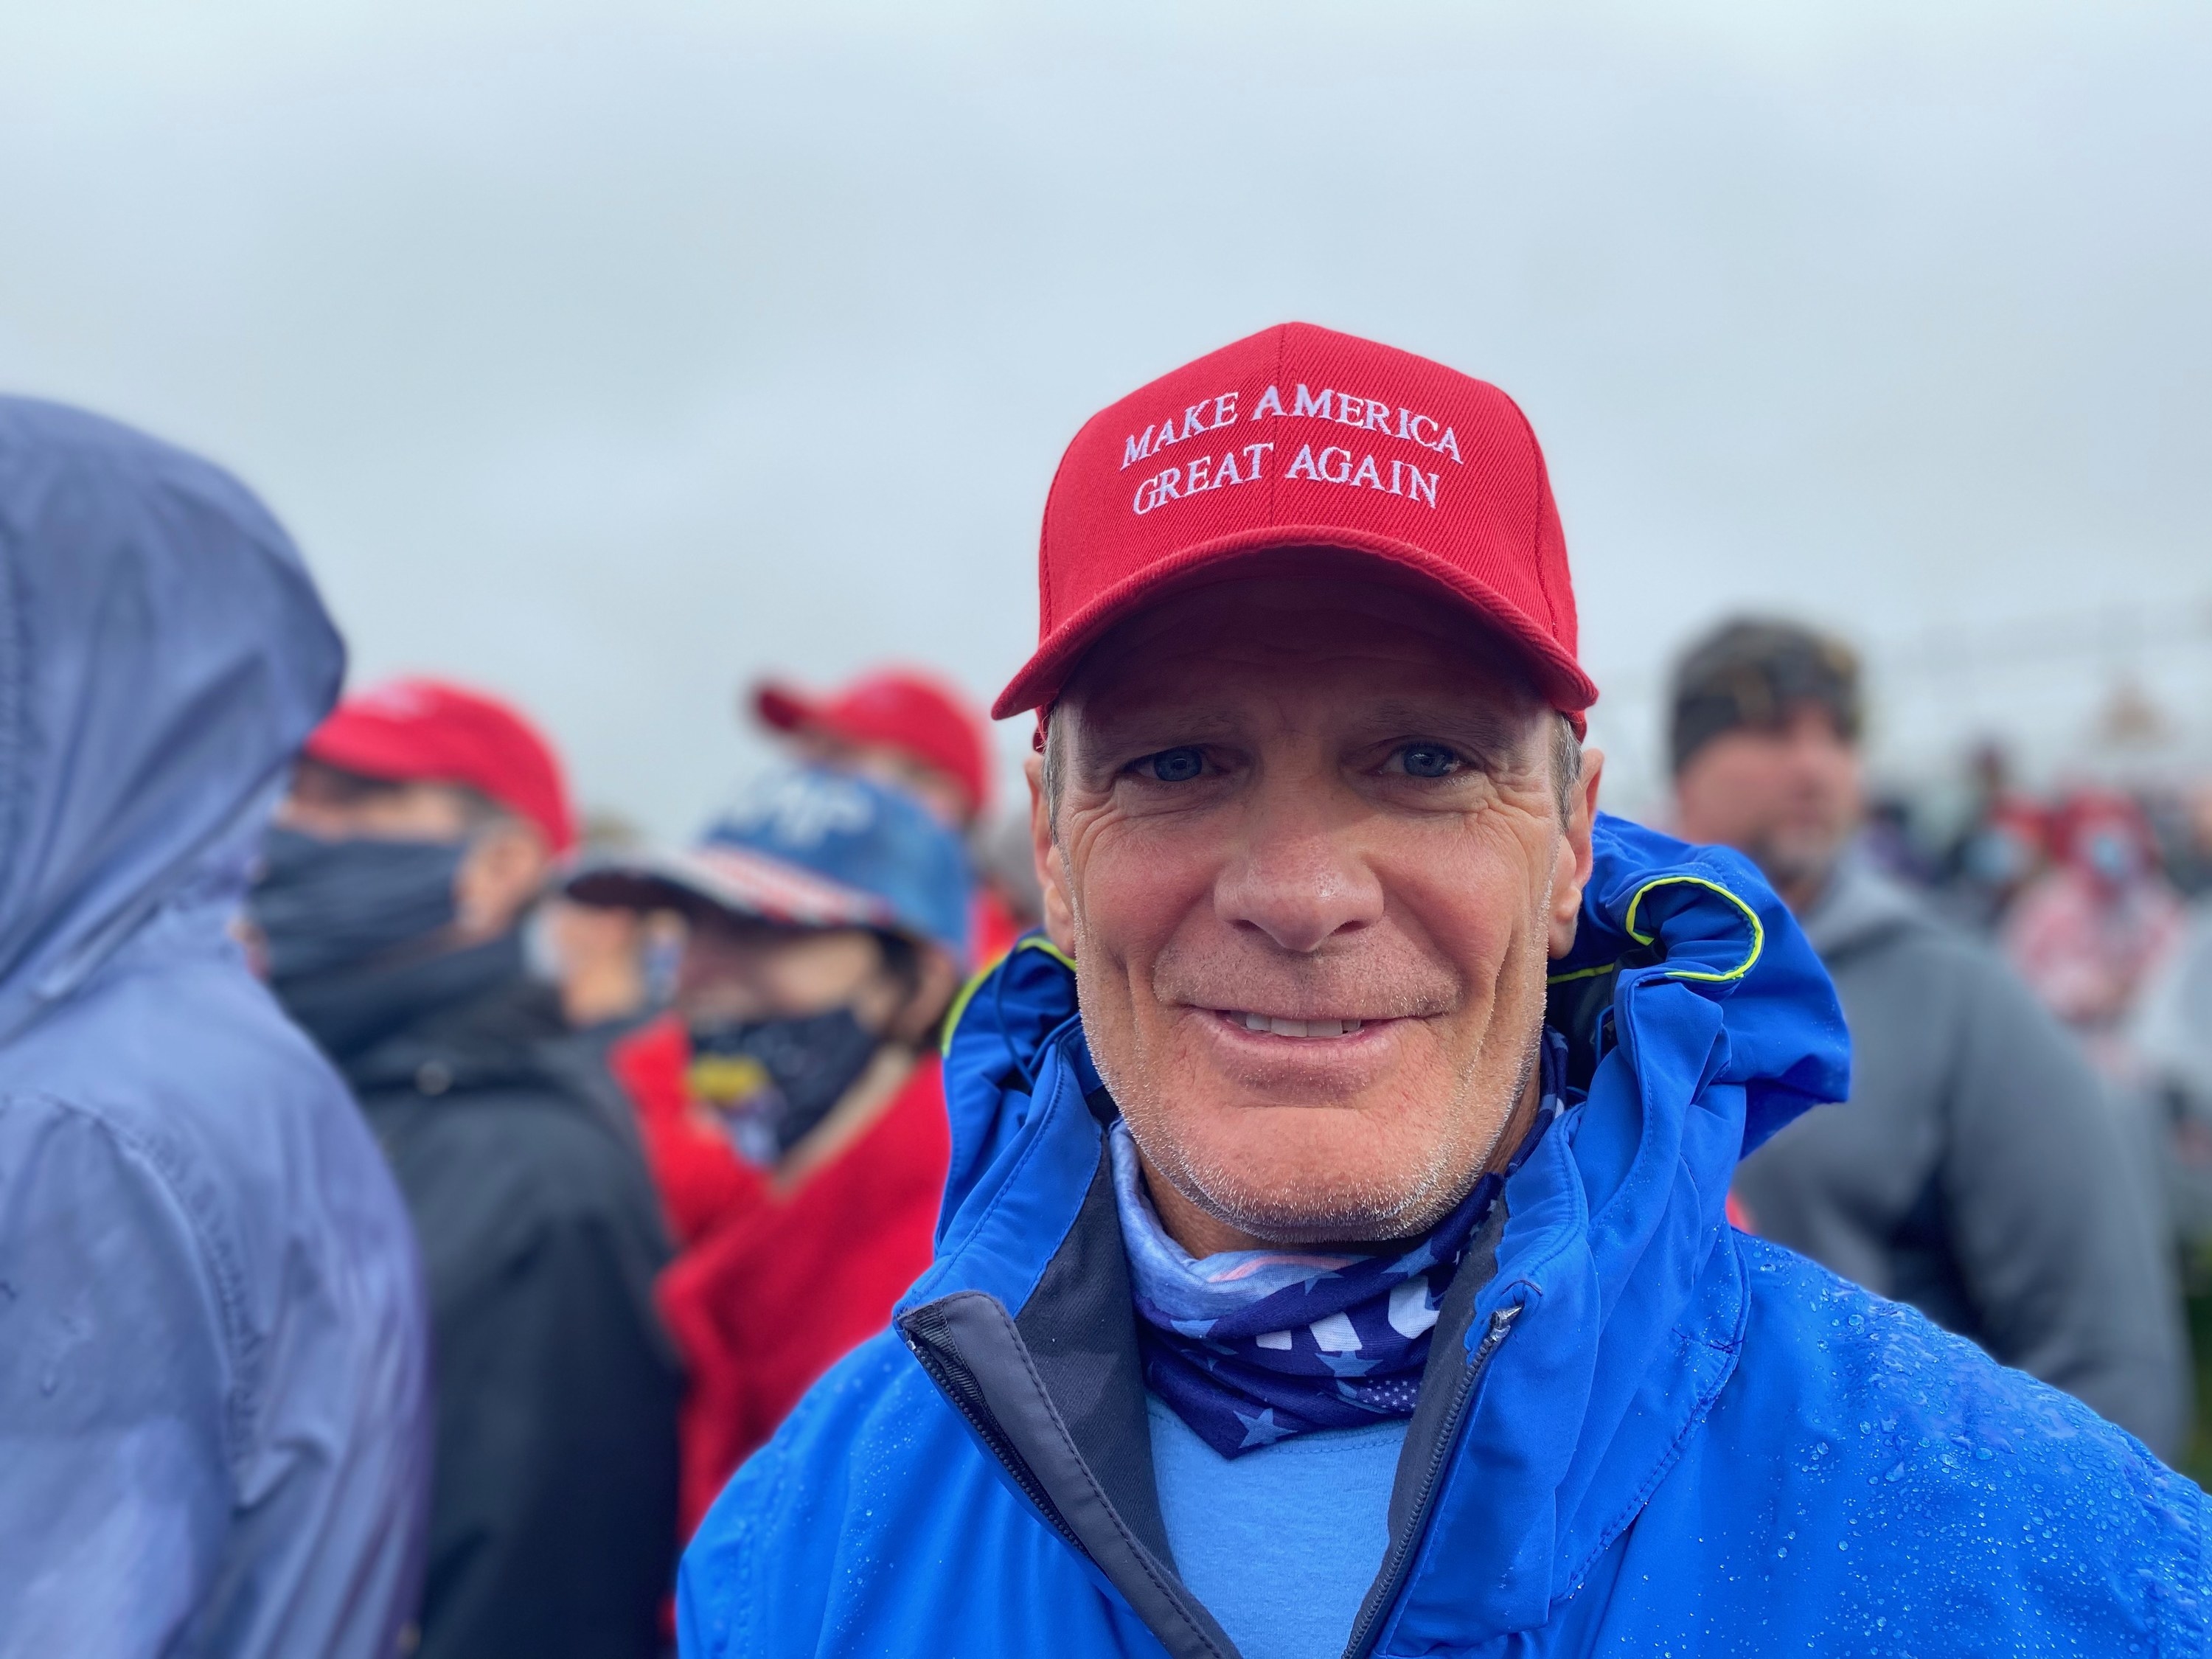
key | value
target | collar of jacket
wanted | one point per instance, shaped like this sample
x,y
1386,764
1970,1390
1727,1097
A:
x,y
1587,1336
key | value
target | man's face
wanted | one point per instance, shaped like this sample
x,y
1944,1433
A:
x,y
894,767
1788,797
1309,860
736,969
334,805
500,874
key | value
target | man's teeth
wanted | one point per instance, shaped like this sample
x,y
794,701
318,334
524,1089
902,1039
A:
x,y
1300,1028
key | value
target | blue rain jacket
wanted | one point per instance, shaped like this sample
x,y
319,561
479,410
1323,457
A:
x,y
1639,1431
214,1412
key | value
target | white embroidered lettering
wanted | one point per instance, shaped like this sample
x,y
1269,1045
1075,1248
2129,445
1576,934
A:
x,y
1303,466
1421,486
1307,403
1367,477
1205,473
1271,402
1448,445
1343,475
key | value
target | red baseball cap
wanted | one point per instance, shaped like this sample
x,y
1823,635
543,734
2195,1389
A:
x,y
1299,437
898,708
426,731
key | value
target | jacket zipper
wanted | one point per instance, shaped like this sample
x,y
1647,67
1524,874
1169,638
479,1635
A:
x,y
988,1429
1399,1563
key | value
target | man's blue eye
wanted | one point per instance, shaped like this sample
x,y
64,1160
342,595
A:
x,y
1428,760
1175,765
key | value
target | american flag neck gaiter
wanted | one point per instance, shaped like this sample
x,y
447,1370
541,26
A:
x,y
1250,1347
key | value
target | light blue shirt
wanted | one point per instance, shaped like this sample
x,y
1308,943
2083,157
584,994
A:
x,y
1282,1543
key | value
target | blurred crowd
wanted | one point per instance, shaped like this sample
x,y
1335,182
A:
x,y
668,1126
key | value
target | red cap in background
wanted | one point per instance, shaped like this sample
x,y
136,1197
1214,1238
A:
x,y
426,731
896,708
1299,437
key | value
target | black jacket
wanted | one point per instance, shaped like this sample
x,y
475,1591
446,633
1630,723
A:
x,y
1978,1171
553,1513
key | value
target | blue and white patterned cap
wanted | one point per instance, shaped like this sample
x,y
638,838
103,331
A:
x,y
808,847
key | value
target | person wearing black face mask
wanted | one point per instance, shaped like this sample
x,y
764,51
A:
x,y
791,1103
388,917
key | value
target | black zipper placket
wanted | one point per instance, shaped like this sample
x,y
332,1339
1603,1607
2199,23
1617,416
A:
x,y
994,1440
1400,1559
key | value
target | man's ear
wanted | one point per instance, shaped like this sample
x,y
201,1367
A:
x,y
937,981
1051,865
1571,873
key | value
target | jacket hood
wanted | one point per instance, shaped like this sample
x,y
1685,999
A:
x,y
1707,1024
162,655
1699,1022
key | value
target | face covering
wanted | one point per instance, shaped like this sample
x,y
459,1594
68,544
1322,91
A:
x,y
773,1080
1252,1347
323,905
2111,855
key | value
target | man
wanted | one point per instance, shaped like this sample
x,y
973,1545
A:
x,y
214,1382
1303,1287
910,730
420,828
1978,1172
792,1104
904,729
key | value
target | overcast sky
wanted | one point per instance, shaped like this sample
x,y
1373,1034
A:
x,y
611,356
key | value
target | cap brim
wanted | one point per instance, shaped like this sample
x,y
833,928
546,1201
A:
x,y
727,878
1038,683
783,709
366,750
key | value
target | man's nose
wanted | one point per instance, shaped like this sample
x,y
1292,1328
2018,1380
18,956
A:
x,y
1298,873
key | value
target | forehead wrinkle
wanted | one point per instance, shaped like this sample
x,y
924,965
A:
x,y
1159,716
1476,718
1470,710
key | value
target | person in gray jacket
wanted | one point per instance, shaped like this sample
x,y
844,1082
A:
x,y
1978,1172
214,1369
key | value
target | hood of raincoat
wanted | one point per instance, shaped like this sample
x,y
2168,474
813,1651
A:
x,y
214,1375
1644,1432
162,655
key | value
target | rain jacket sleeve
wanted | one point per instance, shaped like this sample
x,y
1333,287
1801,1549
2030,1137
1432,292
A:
x,y
2053,1218
115,1384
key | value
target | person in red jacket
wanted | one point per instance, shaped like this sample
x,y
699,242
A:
x,y
790,1104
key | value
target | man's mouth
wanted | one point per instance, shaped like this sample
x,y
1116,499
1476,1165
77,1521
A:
x,y
1272,1026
